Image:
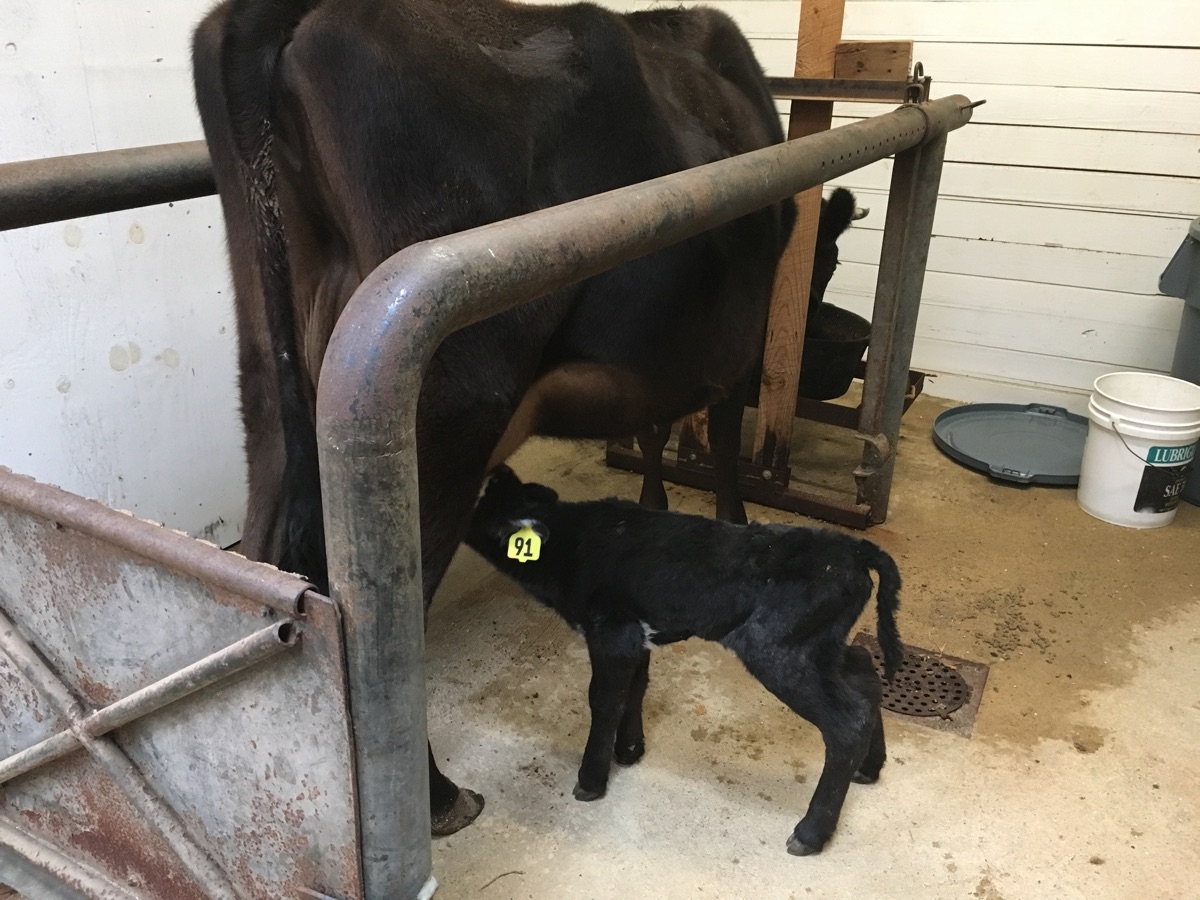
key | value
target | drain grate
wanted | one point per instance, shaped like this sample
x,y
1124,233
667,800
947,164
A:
x,y
945,697
923,686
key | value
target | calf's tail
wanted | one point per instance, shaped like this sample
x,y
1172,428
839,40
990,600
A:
x,y
887,601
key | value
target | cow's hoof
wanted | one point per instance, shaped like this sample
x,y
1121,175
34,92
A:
x,y
627,756
861,777
466,809
797,847
585,795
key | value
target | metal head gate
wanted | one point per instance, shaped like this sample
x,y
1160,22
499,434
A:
x,y
259,785
174,718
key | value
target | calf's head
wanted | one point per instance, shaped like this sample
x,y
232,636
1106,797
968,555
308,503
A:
x,y
507,505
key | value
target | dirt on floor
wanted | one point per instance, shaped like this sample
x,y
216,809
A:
x,y
1079,778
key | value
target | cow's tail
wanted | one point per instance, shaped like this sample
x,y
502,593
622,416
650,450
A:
x,y
887,602
256,33
837,213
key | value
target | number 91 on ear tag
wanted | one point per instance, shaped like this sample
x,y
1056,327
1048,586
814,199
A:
x,y
525,545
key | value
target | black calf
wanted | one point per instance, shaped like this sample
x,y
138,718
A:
x,y
783,599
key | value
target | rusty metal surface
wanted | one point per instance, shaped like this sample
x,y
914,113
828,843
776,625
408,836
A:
x,y
930,672
779,490
366,417
36,191
39,870
839,89
255,770
907,230
213,668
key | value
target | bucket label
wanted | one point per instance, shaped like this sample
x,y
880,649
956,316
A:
x,y
1162,486
1171,456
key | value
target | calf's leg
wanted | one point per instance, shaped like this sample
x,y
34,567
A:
x,y
615,653
814,687
631,739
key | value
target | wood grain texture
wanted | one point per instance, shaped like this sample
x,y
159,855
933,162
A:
x,y
873,60
820,31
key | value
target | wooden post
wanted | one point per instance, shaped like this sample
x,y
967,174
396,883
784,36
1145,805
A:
x,y
816,57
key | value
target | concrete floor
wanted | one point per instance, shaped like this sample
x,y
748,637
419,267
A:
x,y
1080,779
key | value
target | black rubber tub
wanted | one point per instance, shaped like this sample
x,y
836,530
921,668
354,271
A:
x,y
833,348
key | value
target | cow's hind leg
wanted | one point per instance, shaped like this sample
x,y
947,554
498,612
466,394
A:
x,y
631,739
616,653
451,808
725,440
652,442
819,692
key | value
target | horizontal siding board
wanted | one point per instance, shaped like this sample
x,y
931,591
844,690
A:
x,y
1092,325
1021,262
1113,232
1056,107
933,355
1155,23
1053,187
1037,65
1074,148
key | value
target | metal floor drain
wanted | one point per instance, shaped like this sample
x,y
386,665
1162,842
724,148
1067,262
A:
x,y
923,686
939,691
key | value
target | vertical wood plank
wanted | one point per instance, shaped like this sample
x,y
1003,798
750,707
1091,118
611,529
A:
x,y
816,57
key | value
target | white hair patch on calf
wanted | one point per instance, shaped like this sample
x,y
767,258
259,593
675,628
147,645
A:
x,y
649,633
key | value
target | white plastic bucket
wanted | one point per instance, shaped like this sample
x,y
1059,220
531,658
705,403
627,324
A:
x,y
1140,445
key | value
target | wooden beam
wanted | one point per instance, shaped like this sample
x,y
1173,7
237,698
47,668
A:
x,y
873,60
816,56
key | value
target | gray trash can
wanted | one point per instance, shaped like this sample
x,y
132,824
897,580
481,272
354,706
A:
x,y
1181,278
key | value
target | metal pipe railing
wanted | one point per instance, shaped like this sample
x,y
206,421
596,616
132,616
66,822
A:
x,y
37,191
249,651
367,418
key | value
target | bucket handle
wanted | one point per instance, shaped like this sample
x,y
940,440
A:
x,y
1117,431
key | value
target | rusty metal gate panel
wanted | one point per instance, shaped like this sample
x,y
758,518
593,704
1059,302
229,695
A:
x,y
173,718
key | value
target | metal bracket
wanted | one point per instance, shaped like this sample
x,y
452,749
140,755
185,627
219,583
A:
x,y
917,90
884,450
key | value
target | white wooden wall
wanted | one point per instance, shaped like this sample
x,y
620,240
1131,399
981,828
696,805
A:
x,y
117,366
1061,203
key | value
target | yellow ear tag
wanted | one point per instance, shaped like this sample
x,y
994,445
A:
x,y
525,545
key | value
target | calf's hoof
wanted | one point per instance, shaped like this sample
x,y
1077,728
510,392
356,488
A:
x,y
627,756
861,777
462,812
797,847
582,793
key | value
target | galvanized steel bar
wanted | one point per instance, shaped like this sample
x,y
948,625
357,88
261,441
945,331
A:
x,y
261,645
912,199
282,591
156,812
37,191
367,405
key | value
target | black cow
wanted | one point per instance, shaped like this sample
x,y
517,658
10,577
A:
x,y
725,418
783,599
342,131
